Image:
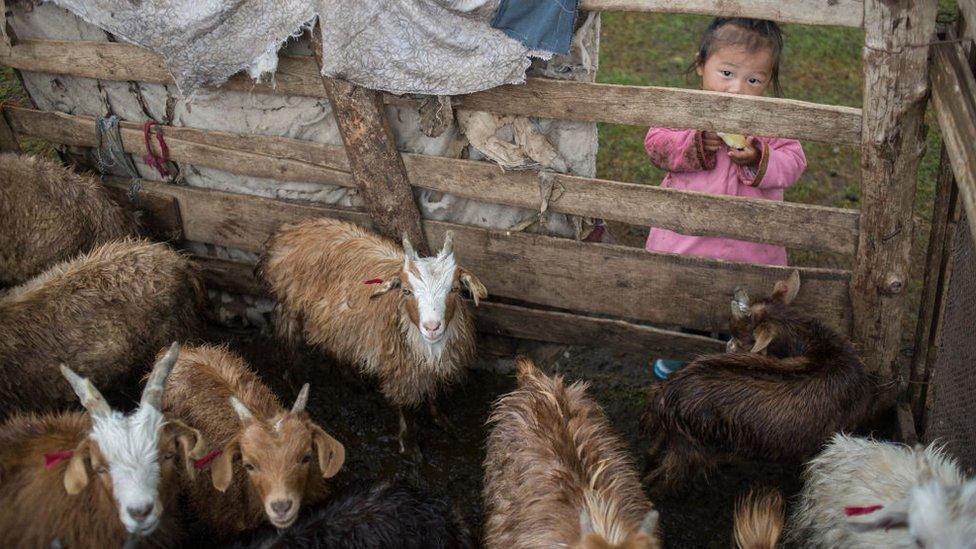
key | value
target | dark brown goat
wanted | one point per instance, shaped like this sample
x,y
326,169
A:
x,y
49,213
798,383
106,313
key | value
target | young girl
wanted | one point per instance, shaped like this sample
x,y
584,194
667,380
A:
x,y
736,56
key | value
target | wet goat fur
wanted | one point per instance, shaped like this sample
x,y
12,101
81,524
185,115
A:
x,y
551,455
105,313
391,515
49,213
780,406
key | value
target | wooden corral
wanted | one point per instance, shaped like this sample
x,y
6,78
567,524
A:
x,y
557,289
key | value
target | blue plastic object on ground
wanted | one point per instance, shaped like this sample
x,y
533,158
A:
x,y
663,367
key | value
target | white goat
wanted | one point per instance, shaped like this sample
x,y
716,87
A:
x,y
133,456
861,493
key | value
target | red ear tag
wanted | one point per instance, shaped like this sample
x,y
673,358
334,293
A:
x,y
53,458
857,511
373,281
205,460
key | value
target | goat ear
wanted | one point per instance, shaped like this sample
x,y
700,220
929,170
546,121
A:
x,y
222,471
471,282
649,524
191,444
786,290
922,463
392,284
332,454
76,474
764,336
891,516
740,304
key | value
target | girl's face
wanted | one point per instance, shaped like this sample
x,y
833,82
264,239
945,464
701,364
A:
x,y
736,69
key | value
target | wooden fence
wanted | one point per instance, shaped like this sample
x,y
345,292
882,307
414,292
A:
x,y
572,291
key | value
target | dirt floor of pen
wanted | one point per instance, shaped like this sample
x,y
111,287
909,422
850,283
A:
x,y
356,414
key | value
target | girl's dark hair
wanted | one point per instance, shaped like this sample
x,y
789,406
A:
x,y
753,34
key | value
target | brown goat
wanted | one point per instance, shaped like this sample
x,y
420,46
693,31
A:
x,y
46,462
106,313
216,392
799,383
557,475
396,316
49,213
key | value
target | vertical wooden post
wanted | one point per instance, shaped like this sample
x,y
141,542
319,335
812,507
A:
x,y
895,90
374,159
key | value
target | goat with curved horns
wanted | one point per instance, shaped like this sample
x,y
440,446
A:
x,y
335,284
788,383
132,455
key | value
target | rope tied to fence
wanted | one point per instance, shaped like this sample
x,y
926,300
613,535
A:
x,y
109,152
151,158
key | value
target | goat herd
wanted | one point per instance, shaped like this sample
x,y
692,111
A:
x,y
88,304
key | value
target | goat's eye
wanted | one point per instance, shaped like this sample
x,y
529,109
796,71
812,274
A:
x,y
249,467
101,469
169,456
456,289
407,292
306,458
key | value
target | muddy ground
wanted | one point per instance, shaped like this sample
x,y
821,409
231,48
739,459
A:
x,y
355,413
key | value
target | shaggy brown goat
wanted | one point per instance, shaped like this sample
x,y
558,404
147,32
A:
x,y
335,284
557,475
215,391
49,213
106,313
799,383
46,463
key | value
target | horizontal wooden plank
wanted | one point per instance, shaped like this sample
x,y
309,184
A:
x,y
513,321
673,108
554,272
788,224
636,105
954,97
846,13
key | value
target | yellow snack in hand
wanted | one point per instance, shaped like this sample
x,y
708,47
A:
x,y
734,140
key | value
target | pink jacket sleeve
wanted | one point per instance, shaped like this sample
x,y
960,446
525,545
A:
x,y
781,164
678,150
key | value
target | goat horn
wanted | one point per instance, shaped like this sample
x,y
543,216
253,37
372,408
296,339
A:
x,y
408,248
91,399
448,247
301,400
153,393
241,409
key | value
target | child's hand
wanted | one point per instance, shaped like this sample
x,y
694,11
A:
x,y
748,156
711,141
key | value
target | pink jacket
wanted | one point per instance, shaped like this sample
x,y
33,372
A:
x,y
689,167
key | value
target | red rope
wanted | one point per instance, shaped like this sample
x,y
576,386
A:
x,y
205,460
158,162
855,511
53,458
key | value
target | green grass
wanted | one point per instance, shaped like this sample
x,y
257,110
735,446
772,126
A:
x,y
11,91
